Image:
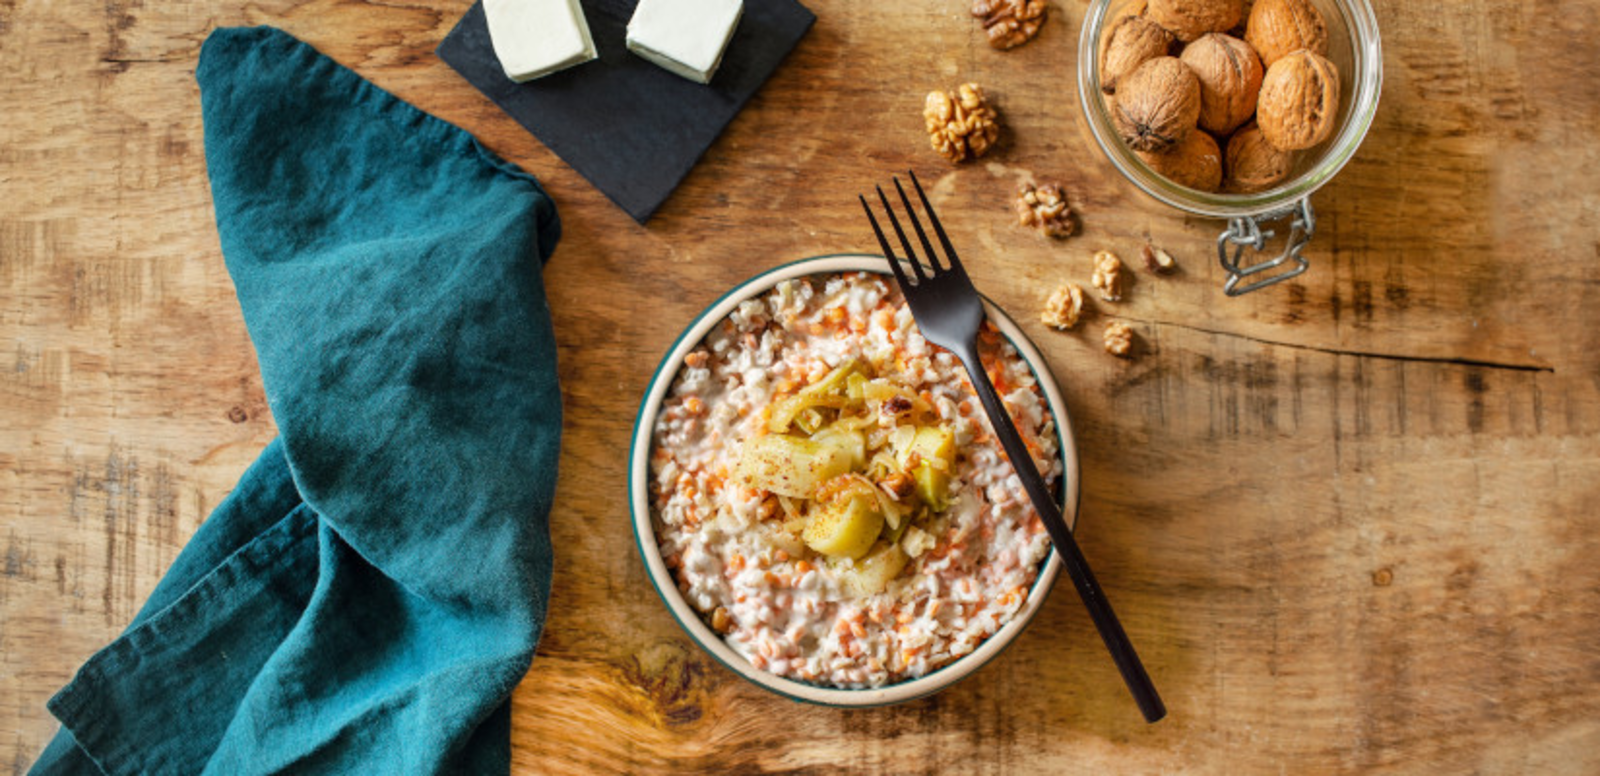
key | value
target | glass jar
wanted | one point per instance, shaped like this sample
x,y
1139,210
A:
x,y
1353,47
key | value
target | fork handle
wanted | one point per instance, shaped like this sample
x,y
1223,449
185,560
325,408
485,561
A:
x,y
1105,620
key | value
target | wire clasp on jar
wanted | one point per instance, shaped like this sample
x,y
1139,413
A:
x,y
1246,232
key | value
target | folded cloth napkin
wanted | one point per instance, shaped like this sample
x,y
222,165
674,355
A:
x,y
373,589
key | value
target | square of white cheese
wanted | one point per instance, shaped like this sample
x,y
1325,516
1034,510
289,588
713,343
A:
x,y
535,38
684,36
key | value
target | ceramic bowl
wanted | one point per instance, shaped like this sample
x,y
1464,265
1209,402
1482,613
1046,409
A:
x,y
709,640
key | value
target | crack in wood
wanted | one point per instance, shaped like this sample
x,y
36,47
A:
x,y
1447,360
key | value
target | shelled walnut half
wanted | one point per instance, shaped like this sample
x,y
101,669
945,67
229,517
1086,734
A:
x,y
1010,23
1108,276
960,123
1064,308
1045,208
1119,339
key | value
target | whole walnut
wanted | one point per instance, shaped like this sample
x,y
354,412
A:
x,y
1253,163
1230,80
1195,162
1131,42
1278,27
1135,8
1189,19
1299,103
1157,105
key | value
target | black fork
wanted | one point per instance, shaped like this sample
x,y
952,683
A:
x,y
949,312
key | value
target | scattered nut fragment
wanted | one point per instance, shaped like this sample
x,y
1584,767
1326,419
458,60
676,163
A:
x,y
1064,307
1119,339
1131,42
1108,276
1299,101
961,123
1230,80
1195,162
897,485
1279,27
1045,208
1189,19
719,620
1157,260
1010,23
1253,163
1157,105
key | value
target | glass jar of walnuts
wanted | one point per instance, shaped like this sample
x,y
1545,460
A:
x,y
1232,109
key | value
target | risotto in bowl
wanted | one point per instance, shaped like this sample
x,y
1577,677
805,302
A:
x,y
818,497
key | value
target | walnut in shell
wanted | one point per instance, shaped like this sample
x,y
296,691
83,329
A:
x,y
1230,80
960,124
1009,23
1189,19
1299,103
1195,162
1253,163
1156,105
1279,27
1131,42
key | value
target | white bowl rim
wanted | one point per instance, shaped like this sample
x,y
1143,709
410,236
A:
x,y
710,641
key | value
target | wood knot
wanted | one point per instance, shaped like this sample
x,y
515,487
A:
x,y
1382,577
673,678
238,414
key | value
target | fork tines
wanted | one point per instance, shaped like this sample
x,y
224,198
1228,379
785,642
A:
x,y
952,261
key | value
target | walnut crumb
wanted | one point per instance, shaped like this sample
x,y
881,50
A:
x,y
897,485
1064,307
1119,339
1045,208
1010,23
960,124
1109,277
1157,260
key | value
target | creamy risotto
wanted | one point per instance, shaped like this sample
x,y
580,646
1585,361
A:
x,y
827,492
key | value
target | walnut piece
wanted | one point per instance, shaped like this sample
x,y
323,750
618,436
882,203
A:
x,y
1195,162
1157,105
1279,27
1108,276
1299,101
1230,80
1064,307
1131,42
1157,260
1045,208
1189,19
960,123
1119,339
1253,163
1010,23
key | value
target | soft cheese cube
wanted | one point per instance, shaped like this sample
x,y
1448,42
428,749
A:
x,y
535,38
686,37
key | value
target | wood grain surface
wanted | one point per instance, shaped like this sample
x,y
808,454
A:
x,y
1352,522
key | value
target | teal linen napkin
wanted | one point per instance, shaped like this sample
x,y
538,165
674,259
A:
x,y
373,589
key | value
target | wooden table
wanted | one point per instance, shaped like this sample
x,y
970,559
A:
x,y
1352,522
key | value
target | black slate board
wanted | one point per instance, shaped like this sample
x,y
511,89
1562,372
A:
x,y
633,129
